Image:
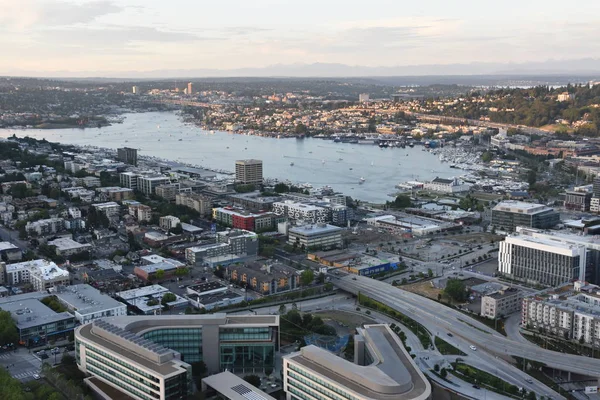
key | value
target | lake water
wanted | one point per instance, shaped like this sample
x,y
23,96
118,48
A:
x,y
316,161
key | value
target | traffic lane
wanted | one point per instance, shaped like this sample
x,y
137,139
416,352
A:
x,y
432,313
328,302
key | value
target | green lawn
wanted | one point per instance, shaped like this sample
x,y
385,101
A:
x,y
446,348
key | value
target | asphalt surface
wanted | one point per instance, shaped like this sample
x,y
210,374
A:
x,y
467,331
21,365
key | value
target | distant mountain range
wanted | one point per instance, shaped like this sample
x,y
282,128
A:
x,y
588,67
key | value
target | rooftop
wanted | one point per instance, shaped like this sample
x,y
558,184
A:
x,y
235,388
521,207
207,287
318,229
392,375
7,246
63,244
86,299
28,311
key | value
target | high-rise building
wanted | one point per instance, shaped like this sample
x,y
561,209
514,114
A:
x,y
509,214
249,172
135,90
189,88
127,155
363,97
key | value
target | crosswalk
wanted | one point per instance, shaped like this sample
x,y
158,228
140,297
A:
x,y
5,356
24,375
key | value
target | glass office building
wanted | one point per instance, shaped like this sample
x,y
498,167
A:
x,y
150,357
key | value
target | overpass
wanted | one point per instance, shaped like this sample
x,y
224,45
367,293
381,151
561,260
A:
x,y
439,318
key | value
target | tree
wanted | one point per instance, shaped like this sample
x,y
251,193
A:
x,y
456,290
282,309
443,373
487,156
402,201
8,330
307,277
160,274
182,271
168,298
253,380
321,277
67,359
176,230
429,272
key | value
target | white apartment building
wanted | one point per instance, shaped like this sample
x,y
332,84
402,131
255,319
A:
x,y
74,212
544,260
148,184
67,246
315,236
129,180
571,311
42,274
446,186
307,213
168,222
45,226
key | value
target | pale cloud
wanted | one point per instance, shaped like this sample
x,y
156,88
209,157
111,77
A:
x,y
26,14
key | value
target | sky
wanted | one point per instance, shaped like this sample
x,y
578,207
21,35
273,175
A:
x,y
106,37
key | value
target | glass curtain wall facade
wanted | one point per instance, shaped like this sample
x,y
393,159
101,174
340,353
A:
x,y
186,341
246,350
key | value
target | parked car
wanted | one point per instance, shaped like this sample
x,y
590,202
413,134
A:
x,y
473,348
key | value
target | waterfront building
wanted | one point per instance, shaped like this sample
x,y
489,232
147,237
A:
x,y
321,236
127,155
383,370
509,214
446,186
148,358
249,172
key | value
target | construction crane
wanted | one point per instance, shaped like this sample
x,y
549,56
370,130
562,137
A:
x,y
355,230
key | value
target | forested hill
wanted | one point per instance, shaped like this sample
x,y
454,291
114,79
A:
x,y
538,106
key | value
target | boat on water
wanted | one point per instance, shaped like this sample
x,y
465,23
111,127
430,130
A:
x,y
291,164
361,180
322,161
350,169
180,140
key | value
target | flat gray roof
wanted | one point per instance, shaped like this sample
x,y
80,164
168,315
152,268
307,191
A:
x,y
86,299
235,388
30,312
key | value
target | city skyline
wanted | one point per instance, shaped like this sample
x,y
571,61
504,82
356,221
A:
x,y
109,38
